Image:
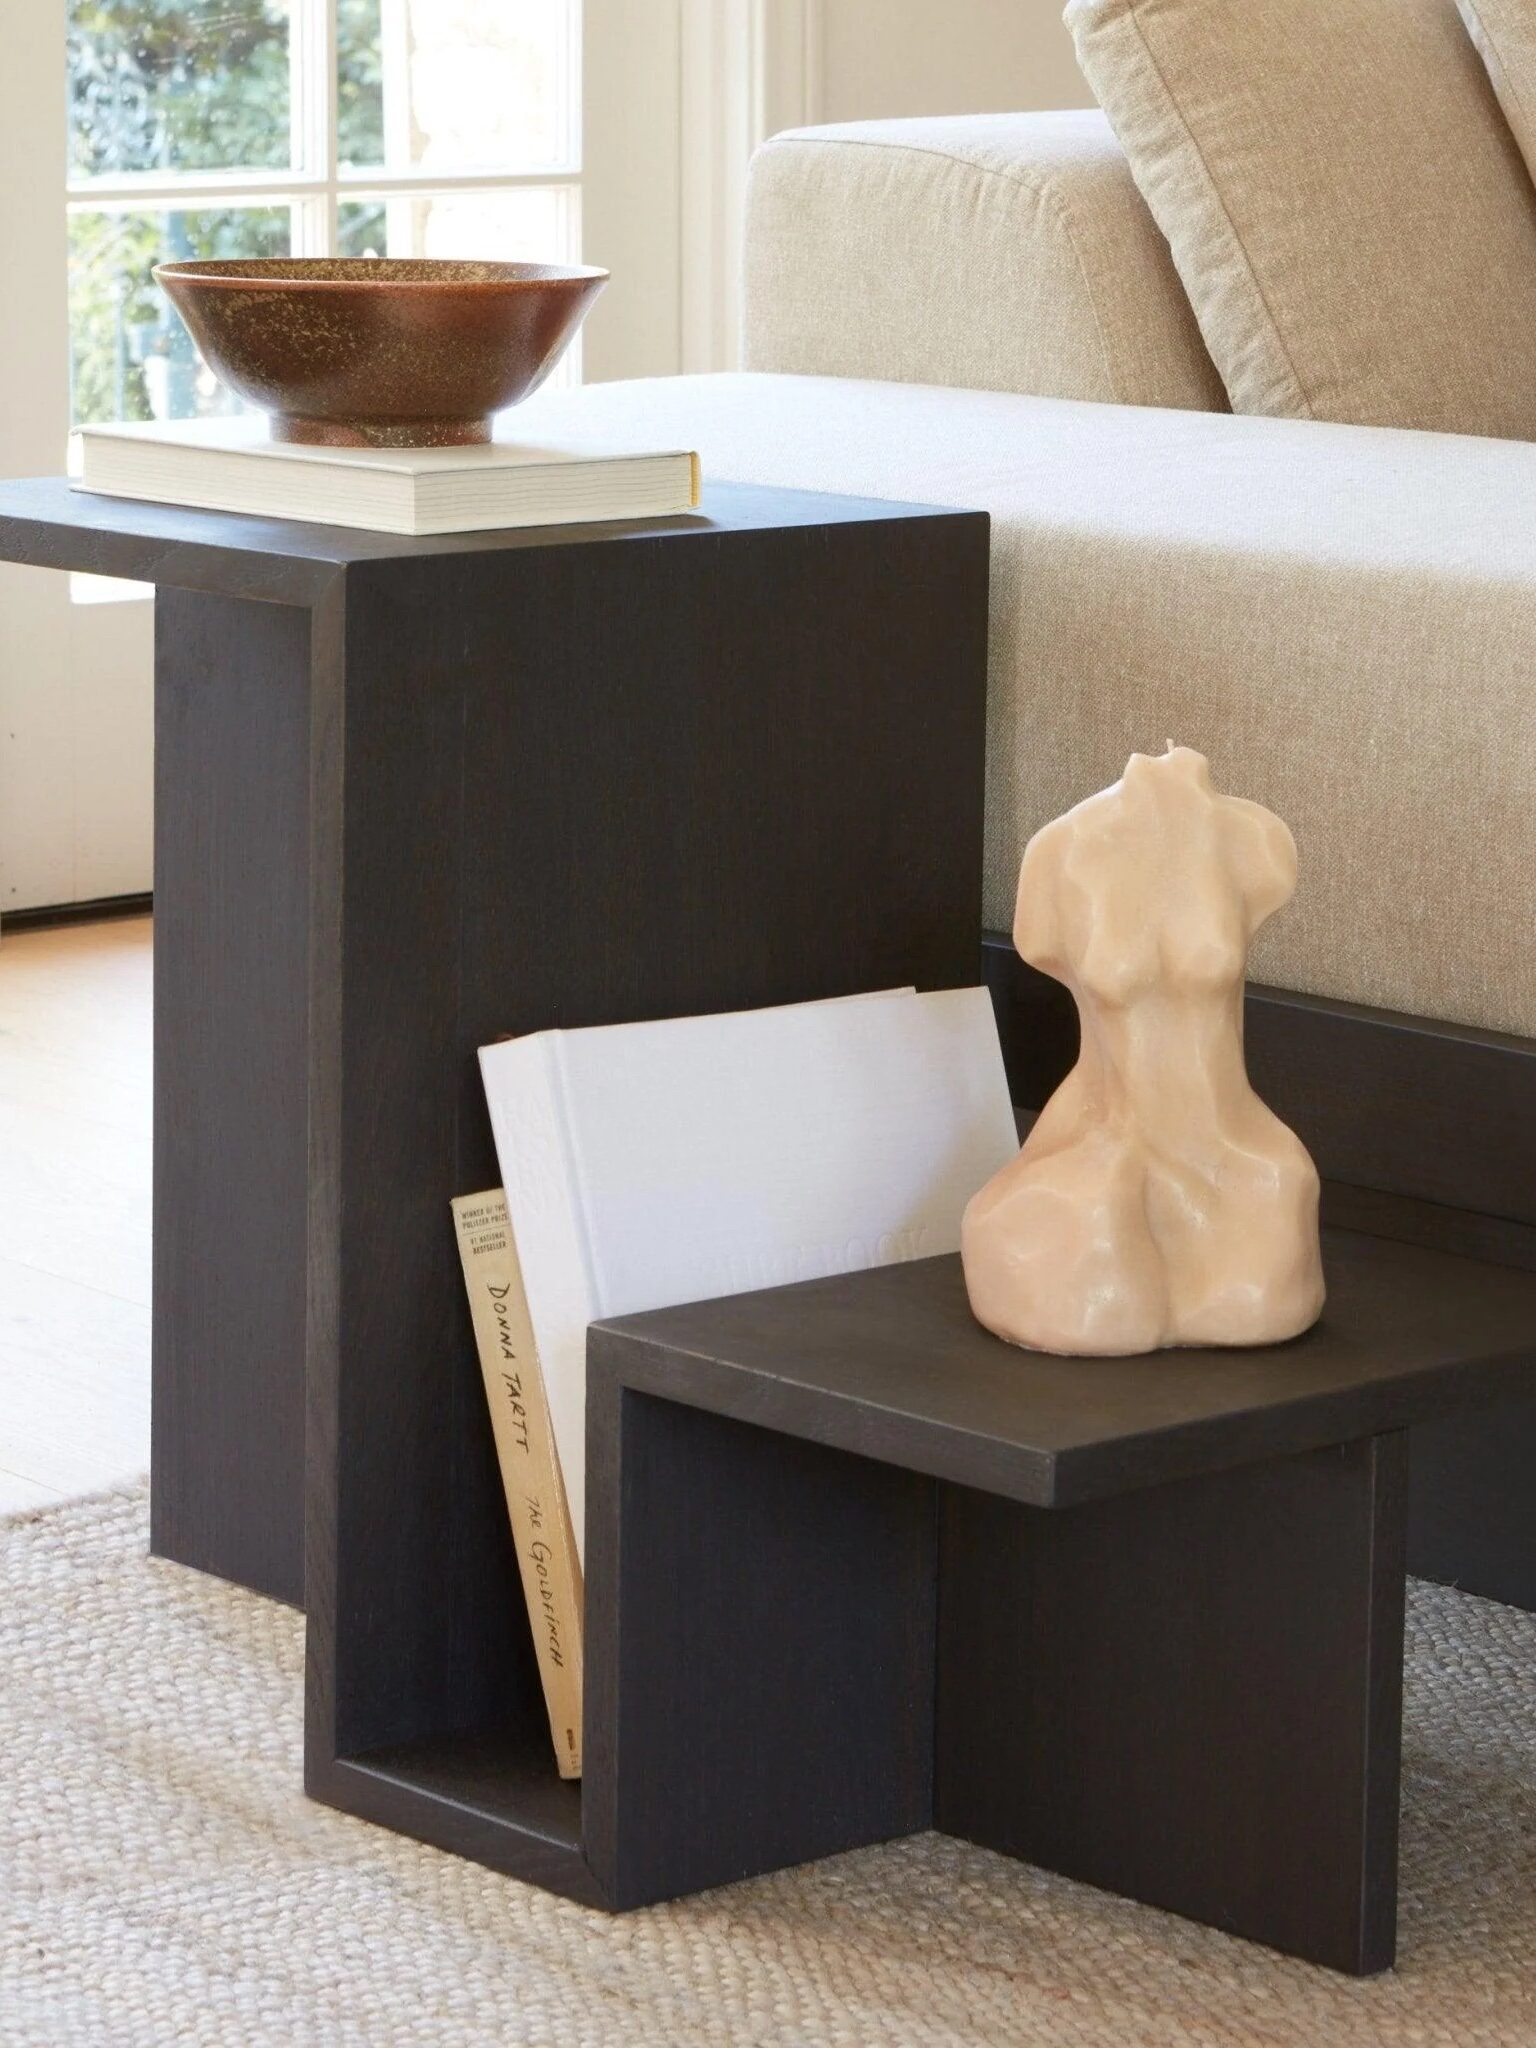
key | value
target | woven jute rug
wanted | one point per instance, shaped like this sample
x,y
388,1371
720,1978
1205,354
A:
x,y
163,1881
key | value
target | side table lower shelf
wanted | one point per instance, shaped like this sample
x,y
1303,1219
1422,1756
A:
x,y
492,1795
856,1569
663,1728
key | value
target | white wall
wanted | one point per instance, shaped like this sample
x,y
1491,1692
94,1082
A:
x,y
749,68
889,57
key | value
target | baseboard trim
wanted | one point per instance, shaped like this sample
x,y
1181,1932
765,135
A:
x,y
96,911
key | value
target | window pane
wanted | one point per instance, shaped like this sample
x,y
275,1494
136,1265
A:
x,y
530,223
456,85
359,83
177,85
130,356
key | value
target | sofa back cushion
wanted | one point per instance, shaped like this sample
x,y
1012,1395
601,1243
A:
x,y
1505,34
1346,207
1004,252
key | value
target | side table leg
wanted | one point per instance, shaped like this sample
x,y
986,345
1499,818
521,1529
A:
x,y
232,926
759,1649
1472,1508
1190,1695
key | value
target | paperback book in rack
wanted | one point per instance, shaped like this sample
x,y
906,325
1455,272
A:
x,y
230,465
530,1469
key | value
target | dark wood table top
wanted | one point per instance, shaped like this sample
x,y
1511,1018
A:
x,y
46,522
890,1364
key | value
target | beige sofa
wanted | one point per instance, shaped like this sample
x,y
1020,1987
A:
x,y
981,312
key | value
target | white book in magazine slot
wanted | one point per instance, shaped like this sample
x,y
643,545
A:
x,y
656,1163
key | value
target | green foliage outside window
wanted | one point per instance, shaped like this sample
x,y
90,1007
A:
x,y
128,348
359,83
161,85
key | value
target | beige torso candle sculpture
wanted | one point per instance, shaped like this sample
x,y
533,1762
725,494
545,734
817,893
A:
x,y
1157,1201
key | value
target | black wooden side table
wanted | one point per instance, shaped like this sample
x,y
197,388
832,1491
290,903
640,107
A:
x,y
858,1568
412,794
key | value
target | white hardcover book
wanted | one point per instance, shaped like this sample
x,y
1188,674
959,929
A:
x,y
230,465
649,1164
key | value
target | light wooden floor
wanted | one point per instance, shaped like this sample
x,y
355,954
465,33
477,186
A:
x,y
74,1209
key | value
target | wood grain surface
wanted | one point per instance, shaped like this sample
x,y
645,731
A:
x,y
890,1363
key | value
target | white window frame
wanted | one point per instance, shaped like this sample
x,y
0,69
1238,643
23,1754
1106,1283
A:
x,y
748,69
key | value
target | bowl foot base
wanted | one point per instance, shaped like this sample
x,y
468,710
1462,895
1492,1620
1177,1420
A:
x,y
300,431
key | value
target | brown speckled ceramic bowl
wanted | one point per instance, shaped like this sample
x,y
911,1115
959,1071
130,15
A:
x,y
378,352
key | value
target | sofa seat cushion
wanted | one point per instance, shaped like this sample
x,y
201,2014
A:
x,y
1343,619
1345,203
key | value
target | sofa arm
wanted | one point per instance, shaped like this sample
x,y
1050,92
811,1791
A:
x,y
1003,252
